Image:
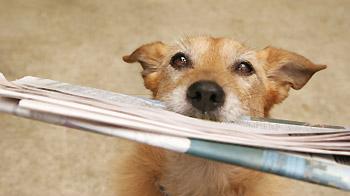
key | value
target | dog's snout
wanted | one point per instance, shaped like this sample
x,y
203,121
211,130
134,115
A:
x,y
206,95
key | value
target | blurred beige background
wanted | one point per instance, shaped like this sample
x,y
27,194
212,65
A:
x,y
82,41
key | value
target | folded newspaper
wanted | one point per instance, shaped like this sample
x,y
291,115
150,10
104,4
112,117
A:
x,y
314,153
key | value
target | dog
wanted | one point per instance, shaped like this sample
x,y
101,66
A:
x,y
216,79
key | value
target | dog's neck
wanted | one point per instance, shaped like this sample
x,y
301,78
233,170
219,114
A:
x,y
222,179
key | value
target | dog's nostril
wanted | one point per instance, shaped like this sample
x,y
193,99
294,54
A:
x,y
198,96
213,98
205,95
195,95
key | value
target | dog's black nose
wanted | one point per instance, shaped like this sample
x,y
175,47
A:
x,y
206,95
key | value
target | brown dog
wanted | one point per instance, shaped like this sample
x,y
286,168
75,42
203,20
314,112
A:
x,y
216,79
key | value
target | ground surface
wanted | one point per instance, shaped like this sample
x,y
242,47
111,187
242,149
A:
x,y
82,42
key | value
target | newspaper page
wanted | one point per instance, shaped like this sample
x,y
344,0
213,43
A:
x,y
139,114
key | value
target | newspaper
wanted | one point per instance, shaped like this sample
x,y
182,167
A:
x,y
147,121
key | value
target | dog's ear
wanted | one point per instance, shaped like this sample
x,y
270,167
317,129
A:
x,y
285,69
150,56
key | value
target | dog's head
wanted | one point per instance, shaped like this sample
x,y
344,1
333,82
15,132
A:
x,y
218,78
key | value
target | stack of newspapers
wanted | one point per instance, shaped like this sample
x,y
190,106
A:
x,y
314,153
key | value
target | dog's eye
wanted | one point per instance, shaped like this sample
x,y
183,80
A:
x,y
243,68
179,61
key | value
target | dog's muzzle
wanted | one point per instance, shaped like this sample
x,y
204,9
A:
x,y
205,95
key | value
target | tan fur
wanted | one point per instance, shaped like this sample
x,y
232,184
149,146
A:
x,y
277,70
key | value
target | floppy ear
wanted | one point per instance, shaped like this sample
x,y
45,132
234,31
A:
x,y
150,56
285,69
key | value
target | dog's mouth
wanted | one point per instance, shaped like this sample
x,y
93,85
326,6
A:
x,y
230,111
211,116
222,114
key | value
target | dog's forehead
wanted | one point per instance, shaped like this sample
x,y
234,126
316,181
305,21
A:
x,y
209,47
